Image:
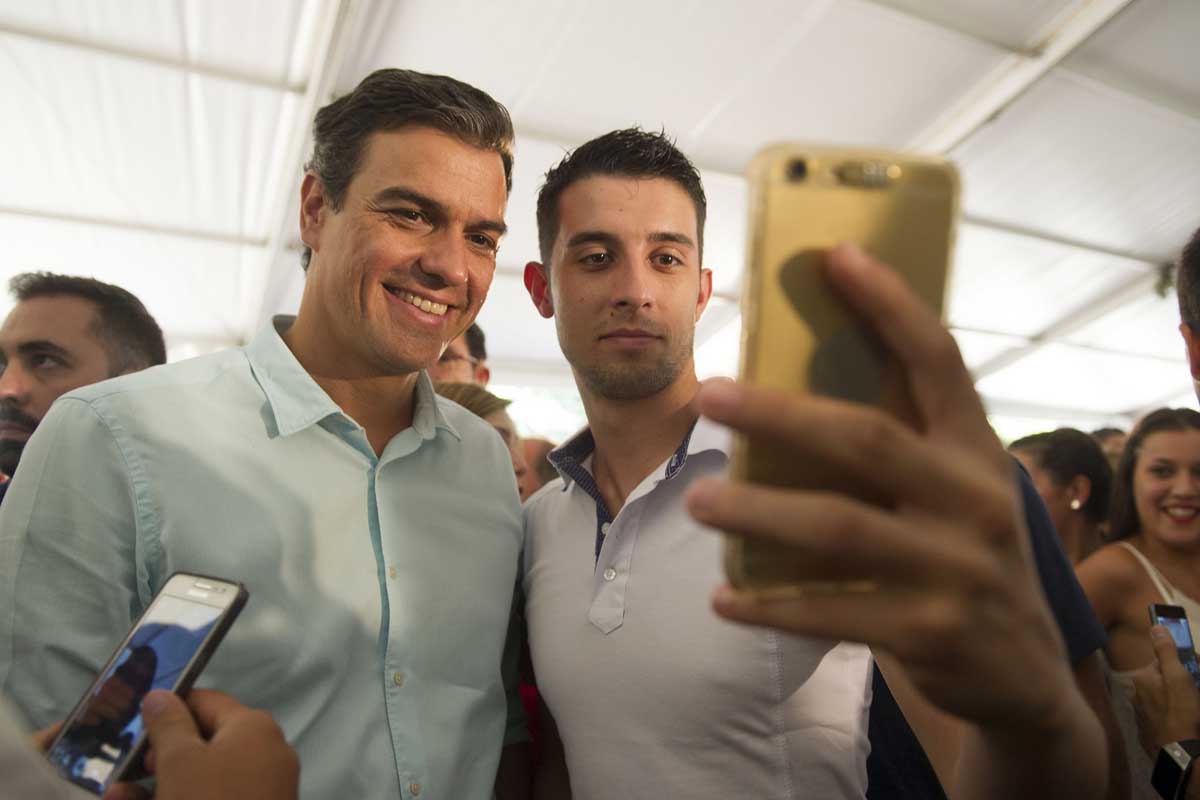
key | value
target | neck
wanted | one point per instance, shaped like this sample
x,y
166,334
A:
x,y
634,436
382,404
1080,540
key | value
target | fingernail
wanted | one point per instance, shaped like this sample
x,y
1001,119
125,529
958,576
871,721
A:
x,y
154,704
850,256
720,398
723,597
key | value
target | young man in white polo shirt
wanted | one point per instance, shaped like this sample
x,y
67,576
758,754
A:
x,y
652,694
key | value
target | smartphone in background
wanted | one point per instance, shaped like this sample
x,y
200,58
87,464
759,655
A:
x,y
798,336
102,740
1174,618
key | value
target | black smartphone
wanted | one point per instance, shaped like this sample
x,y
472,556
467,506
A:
x,y
102,740
1175,620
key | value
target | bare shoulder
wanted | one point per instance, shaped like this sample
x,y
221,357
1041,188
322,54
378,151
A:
x,y
1110,577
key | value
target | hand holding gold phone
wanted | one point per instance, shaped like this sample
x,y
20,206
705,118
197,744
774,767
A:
x,y
797,335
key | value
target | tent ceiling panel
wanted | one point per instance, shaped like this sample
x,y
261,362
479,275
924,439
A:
x,y
267,40
1081,160
105,138
1148,326
186,284
900,74
1017,285
1000,21
979,347
1149,50
1090,380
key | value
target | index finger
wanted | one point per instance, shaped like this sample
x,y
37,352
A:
x,y
940,384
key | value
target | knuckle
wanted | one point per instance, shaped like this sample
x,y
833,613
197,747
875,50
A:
x,y
877,437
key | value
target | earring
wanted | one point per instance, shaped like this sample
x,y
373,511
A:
x,y
1076,505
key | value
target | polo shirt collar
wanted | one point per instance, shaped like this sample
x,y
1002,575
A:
x,y
297,401
572,457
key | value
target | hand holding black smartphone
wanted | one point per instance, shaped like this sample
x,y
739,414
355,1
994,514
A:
x,y
102,740
1174,619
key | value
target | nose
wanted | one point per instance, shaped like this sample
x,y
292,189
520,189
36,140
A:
x,y
15,384
1186,483
445,257
632,289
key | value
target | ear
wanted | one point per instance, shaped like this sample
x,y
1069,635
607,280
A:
x,y
538,286
1191,341
705,292
482,375
312,210
1080,488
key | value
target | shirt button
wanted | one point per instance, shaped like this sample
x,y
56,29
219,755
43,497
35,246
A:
x,y
391,572
609,574
604,528
398,678
415,788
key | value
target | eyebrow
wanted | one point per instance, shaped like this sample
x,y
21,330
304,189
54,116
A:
x,y
603,237
37,346
434,208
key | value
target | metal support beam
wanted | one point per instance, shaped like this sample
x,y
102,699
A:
x,y
149,57
136,227
332,44
1151,261
1014,76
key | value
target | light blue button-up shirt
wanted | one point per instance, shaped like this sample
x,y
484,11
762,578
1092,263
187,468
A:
x,y
380,588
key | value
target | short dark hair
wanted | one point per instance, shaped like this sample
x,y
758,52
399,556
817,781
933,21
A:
x,y
390,99
1125,521
630,152
1187,283
1067,452
129,333
476,342
1102,435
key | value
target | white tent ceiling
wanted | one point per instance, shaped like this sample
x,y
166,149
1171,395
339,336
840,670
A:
x,y
157,144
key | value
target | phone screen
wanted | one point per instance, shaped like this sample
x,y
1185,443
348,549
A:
x,y
1177,624
106,728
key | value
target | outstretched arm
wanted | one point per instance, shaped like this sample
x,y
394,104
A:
x,y
952,590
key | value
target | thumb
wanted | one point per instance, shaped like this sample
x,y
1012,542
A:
x,y
169,724
1167,654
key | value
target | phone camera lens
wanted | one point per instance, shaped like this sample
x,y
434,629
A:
x,y
797,170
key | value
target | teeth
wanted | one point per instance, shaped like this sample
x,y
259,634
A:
x,y
425,305
1181,513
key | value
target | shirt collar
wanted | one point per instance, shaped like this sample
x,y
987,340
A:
x,y
570,459
298,402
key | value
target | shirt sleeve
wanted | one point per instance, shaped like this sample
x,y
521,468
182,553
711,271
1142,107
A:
x,y
71,574
1080,629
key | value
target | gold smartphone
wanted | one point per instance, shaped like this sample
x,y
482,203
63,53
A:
x,y
797,335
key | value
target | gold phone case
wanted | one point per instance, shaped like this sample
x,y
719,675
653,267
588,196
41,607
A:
x,y
798,336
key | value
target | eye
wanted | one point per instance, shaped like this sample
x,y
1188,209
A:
x,y
407,214
484,241
1161,471
43,361
596,259
666,260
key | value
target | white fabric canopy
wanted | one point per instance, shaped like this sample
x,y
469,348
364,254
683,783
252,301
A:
x,y
157,144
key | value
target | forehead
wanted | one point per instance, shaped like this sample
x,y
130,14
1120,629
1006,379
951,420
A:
x,y
61,319
465,179
635,207
1174,445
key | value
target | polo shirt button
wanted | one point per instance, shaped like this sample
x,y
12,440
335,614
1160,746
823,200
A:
x,y
391,572
398,678
610,574
415,788
604,527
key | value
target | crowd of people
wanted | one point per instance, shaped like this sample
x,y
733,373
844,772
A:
x,y
429,593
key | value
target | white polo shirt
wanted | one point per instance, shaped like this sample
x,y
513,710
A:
x,y
654,695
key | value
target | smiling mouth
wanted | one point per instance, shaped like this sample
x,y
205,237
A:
x,y
1181,514
428,306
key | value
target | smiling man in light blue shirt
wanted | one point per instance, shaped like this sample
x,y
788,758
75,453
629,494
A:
x,y
376,526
